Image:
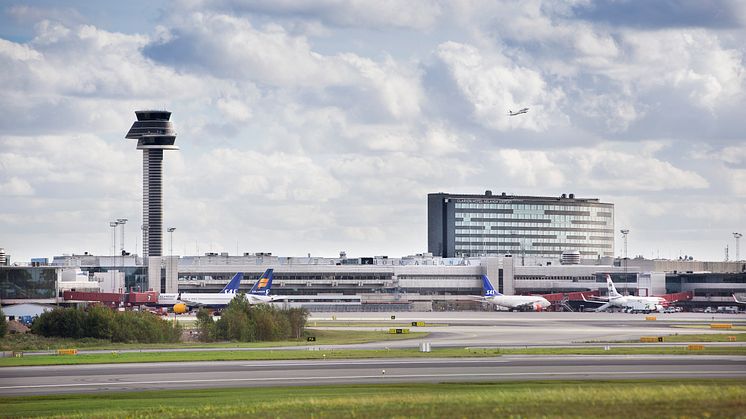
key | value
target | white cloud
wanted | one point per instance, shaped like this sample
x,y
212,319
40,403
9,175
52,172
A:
x,y
415,14
493,85
305,128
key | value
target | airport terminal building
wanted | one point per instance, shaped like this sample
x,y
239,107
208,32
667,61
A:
x,y
419,282
537,227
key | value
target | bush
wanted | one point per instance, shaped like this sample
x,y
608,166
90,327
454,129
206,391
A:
x,y
3,324
246,323
205,325
103,323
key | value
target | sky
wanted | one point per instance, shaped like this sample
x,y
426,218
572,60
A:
x,y
315,127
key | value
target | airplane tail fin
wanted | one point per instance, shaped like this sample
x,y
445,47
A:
x,y
263,284
612,289
232,286
489,290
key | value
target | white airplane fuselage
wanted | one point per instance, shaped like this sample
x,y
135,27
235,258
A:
x,y
519,301
209,299
638,303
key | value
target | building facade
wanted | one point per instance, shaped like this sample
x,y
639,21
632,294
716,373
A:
x,y
536,227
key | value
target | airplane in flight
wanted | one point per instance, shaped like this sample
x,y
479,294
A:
x,y
512,302
627,302
518,112
259,294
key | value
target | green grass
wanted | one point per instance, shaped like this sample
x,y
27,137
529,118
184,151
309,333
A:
x,y
706,337
30,342
624,399
707,326
228,355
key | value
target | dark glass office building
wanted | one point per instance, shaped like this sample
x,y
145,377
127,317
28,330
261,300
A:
x,y
530,226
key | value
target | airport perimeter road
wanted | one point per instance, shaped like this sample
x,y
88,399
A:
x,y
16,381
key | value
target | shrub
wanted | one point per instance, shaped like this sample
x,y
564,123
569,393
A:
x,y
205,325
103,323
246,323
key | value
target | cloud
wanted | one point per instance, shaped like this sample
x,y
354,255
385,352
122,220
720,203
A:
x,y
492,85
414,14
716,14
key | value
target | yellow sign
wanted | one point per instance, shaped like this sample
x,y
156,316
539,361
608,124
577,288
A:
x,y
695,347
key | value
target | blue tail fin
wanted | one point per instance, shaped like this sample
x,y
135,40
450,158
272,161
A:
x,y
489,290
232,286
263,284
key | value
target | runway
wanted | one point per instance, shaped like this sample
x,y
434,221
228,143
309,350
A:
x,y
17,381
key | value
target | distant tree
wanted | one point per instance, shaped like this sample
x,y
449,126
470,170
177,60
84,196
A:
x,y
3,324
205,325
297,318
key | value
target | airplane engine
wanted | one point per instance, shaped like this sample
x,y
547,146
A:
x,y
537,307
180,308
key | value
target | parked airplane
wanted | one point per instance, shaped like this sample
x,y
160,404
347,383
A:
x,y
512,302
518,112
627,302
258,294
737,300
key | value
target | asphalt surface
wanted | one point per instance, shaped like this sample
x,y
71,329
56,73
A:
x,y
160,376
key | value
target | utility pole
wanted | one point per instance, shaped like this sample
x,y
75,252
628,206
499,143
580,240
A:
x,y
738,236
113,225
625,232
122,222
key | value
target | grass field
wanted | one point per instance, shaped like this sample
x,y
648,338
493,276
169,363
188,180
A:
x,y
706,337
228,355
624,399
29,342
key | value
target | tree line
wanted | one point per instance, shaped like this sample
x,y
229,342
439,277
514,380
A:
x,y
103,323
240,321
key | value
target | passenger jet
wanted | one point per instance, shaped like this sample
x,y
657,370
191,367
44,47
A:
x,y
512,302
259,294
627,302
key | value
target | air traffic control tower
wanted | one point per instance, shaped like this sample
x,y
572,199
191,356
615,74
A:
x,y
154,133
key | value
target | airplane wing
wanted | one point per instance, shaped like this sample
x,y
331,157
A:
x,y
603,307
594,299
737,300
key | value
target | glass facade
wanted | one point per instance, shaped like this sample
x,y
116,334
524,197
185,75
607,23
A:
x,y
27,282
135,277
535,228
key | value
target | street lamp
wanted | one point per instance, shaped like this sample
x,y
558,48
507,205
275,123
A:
x,y
625,232
171,251
171,237
122,222
738,236
113,225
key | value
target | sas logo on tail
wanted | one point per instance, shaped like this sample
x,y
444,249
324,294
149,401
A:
x,y
490,292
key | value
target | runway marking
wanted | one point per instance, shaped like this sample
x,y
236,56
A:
x,y
358,377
